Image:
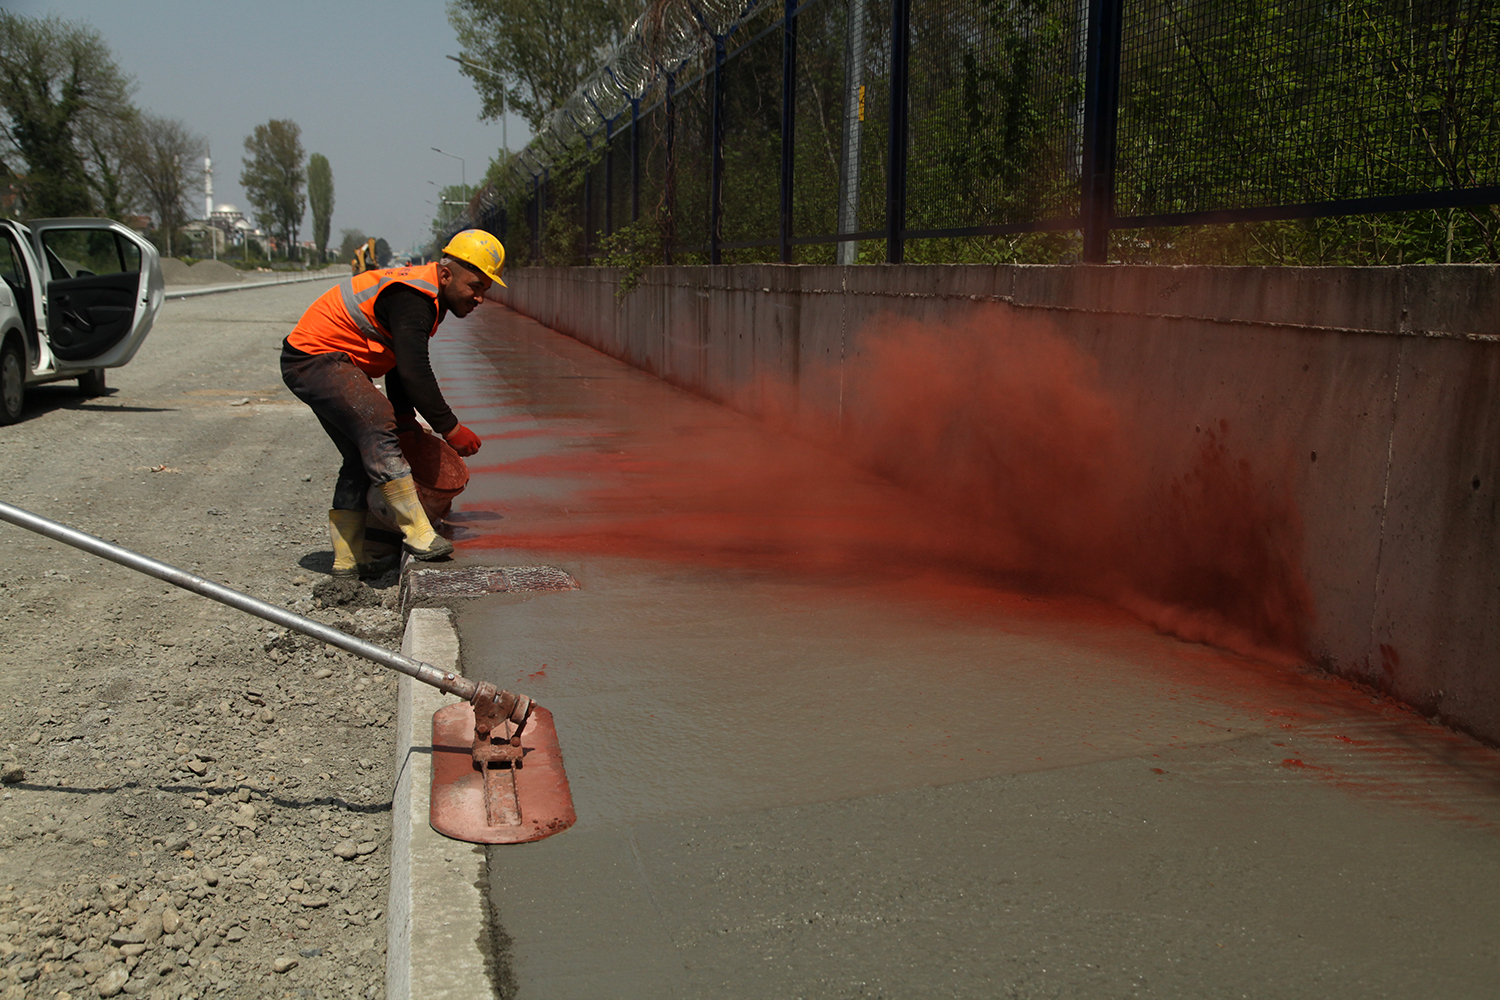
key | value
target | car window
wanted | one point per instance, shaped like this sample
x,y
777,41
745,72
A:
x,y
12,269
82,253
129,252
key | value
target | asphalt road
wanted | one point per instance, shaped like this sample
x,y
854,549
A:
x,y
806,765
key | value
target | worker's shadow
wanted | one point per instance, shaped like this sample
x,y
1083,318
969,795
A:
x,y
321,562
318,562
455,525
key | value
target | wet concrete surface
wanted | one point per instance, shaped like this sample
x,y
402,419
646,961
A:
x,y
815,756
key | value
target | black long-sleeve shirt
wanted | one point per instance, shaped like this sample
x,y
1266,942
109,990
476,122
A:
x,y
409,315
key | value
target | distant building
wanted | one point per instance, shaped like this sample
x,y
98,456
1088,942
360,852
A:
x,y
228,218
232,223
197,229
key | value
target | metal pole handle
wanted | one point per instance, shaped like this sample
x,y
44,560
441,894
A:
x,y
445,681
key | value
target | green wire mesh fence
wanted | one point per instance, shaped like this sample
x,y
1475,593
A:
x,y
846,131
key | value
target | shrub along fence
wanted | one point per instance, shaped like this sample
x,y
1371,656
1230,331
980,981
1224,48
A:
x,y
845,131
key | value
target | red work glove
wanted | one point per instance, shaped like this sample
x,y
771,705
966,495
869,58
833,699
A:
x,y
463,440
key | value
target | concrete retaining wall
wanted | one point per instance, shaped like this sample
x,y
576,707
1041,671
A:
x,y
1374,393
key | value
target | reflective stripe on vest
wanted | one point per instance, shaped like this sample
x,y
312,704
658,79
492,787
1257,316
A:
x,y
343,318
352,299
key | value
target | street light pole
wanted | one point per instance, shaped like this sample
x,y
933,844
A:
x,y
442,203
504,137
463,168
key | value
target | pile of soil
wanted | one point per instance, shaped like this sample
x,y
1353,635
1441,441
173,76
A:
x,y
205,272
175,272
215,272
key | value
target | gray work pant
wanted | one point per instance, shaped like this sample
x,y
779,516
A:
x,y
357,416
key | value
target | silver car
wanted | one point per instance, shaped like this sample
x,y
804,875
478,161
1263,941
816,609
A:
x,y
79,296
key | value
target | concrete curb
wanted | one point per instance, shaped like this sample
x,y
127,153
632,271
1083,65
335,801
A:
x,y
435,921
189,293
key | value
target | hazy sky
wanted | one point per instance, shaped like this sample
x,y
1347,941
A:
x,y
367,82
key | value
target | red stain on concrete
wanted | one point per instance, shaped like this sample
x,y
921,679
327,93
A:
x,y
1019,471
1014,460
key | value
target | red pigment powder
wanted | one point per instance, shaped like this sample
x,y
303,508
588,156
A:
x,y
1060,481
1016,460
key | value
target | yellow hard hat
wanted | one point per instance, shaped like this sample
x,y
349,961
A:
x,y
479,249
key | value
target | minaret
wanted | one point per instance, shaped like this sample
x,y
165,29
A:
x,y
208,205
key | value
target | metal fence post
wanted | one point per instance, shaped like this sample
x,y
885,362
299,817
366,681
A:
x,y
536,229
635,159
716,177
588,201
669,183
853,131
788,126
1101,112
895,179
609,177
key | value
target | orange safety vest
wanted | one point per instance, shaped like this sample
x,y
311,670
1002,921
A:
x,y
343,318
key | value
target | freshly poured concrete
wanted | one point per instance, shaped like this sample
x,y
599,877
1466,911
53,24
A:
x,y
906,782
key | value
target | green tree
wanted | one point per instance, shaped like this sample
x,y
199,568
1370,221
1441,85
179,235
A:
x,y
273,178
60,93
112,177
320,199
164,159
534,54
451,201
350,242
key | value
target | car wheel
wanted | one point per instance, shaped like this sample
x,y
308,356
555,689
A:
x,y
12,381
91,382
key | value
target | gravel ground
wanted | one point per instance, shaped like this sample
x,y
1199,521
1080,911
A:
x,y
195,803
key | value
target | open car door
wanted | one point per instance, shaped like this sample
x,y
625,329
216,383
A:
x,y
103,288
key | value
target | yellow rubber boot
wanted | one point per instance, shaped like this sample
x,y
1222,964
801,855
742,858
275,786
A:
x,y
348,530
419,540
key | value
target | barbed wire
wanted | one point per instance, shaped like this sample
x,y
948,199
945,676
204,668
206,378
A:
x,y
667,36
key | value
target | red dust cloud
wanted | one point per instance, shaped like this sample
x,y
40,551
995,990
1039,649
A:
x,y
1015,461
1062,483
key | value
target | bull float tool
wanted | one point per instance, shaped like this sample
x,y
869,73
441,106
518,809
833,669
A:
x,y
497,769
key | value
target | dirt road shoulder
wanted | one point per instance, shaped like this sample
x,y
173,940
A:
x,y
195,802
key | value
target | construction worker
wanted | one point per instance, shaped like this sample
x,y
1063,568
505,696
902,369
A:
x,y
378,324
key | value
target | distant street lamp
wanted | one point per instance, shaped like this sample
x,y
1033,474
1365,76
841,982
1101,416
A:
x,y
463,168
440,203
504,139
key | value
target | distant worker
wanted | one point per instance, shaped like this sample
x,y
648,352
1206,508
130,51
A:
x,y
373,324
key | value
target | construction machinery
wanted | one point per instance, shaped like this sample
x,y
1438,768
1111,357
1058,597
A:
x,y
365,258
